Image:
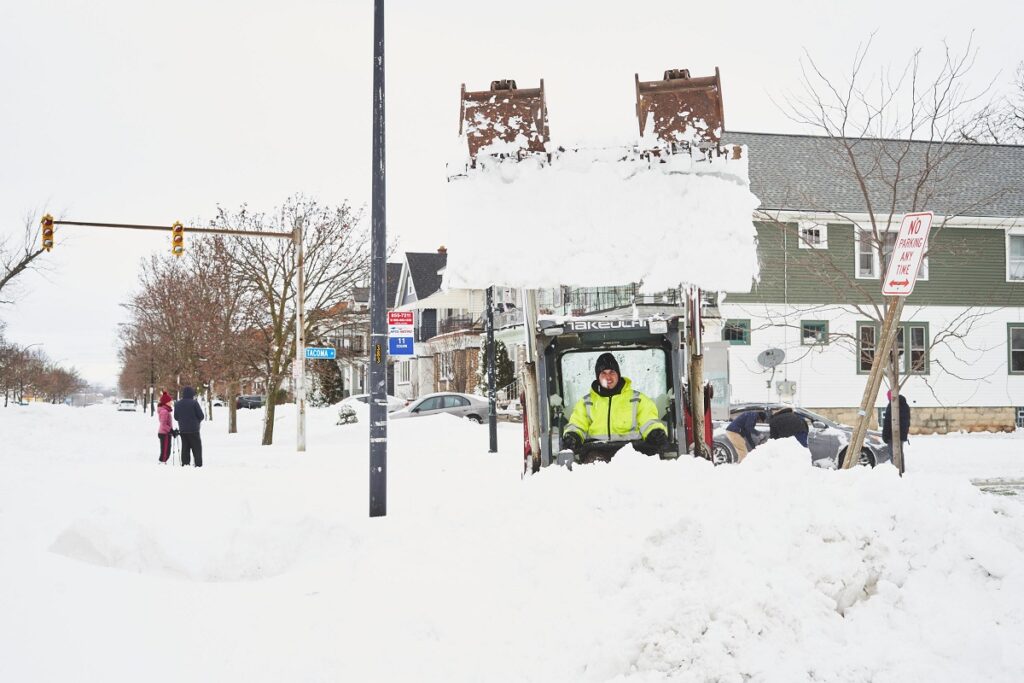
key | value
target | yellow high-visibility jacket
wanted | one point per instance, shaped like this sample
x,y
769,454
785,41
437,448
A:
x,y
631,416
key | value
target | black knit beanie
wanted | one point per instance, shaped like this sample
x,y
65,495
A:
x,y
606,361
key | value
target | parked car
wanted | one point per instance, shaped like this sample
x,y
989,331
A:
x,y
464,405
394,403
127,404
218,403
250,401
827,440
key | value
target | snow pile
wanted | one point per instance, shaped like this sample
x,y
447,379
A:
x,y
602,217
263,565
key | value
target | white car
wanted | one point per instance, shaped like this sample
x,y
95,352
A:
x,y
469,406
394,403
127,404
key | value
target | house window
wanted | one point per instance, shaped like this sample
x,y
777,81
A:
x,y
917,363
445,365
1015,342
736,332
914,364
404,372
813,235
813,332
866,252
867,340
357,344
1015,257
1020,418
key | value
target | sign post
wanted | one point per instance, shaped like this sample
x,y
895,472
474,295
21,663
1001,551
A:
x,y
900,278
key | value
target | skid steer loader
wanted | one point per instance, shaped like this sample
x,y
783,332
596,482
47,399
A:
x,y
679,118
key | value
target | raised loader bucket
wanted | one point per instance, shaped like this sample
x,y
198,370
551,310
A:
x,y
507,114
685,111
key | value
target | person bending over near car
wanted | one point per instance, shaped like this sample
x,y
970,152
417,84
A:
x,y
741,432
785,423
613,412
189,414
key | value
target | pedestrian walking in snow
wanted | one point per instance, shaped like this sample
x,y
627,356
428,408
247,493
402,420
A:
x,y
165,429
785,423
742,434
613,412
189,415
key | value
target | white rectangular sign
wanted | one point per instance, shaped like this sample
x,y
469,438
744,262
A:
x,y
401,328
907,254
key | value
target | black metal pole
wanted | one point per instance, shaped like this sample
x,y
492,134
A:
x,y
492,412
378,286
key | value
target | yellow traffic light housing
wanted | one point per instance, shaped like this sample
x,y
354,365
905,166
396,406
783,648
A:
x,y
177,238
47,230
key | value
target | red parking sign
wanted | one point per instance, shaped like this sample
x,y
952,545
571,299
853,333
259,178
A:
x,y
400,318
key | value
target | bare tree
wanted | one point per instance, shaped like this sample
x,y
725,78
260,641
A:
x,y
336,260
17,259
894,144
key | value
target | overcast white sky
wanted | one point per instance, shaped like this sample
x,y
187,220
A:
x,y
127,111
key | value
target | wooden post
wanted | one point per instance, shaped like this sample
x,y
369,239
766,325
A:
x,y
885,341
529,380
696,374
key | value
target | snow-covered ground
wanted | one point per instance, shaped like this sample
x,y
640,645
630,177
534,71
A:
x,y
264,565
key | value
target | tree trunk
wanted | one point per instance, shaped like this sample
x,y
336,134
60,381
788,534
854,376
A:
x,y
233,407
268,413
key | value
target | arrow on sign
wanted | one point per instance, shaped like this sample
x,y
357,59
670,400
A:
x,y
901,283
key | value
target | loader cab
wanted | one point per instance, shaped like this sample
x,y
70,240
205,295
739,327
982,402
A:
x,y
649,352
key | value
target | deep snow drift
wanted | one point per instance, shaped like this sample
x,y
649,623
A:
x,y
263,566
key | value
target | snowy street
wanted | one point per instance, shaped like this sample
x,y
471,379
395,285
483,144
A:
x,y
264,566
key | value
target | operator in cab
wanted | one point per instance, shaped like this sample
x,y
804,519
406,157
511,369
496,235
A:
x,y
613,412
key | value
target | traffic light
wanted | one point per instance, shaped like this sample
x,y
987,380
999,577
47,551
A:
x,y
47,232
177,238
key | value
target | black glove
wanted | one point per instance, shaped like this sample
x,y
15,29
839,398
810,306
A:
x,y
175,432
573,442
656,438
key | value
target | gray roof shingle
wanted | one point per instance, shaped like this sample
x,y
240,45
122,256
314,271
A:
x,y
811,173
423,267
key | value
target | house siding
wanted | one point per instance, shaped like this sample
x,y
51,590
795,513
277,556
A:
x,y
966,267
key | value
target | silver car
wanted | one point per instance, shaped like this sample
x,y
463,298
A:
x,y
827,440
394,403
472,407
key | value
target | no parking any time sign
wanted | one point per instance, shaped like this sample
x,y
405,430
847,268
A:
x,y
907,254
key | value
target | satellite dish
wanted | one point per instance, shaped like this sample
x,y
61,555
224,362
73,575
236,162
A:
x,y
769,358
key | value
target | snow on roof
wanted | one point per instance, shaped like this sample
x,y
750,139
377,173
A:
x,y
601,217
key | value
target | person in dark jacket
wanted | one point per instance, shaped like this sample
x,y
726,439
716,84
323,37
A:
x,y
742,434
189,414
785,423
904,420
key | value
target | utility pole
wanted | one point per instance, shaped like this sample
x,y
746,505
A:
x,y
492,409
378,285
300,341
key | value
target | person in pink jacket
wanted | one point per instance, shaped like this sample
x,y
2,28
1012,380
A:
x,y
163,413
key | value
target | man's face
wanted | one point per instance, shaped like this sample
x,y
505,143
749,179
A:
x,y
608,379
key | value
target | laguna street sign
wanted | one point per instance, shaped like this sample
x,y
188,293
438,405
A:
x,y
907,254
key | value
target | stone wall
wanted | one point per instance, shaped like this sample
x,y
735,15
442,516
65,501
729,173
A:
x,y
939,420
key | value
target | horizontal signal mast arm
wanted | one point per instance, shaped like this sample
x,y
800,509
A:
x,y
210,231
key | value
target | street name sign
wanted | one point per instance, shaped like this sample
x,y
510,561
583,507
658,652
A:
x,y
907,254
320,353
400,333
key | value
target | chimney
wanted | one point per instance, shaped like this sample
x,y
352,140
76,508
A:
x,y
442,249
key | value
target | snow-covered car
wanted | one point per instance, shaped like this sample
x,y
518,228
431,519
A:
x,y
471,407
394,403
127,404
827,440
